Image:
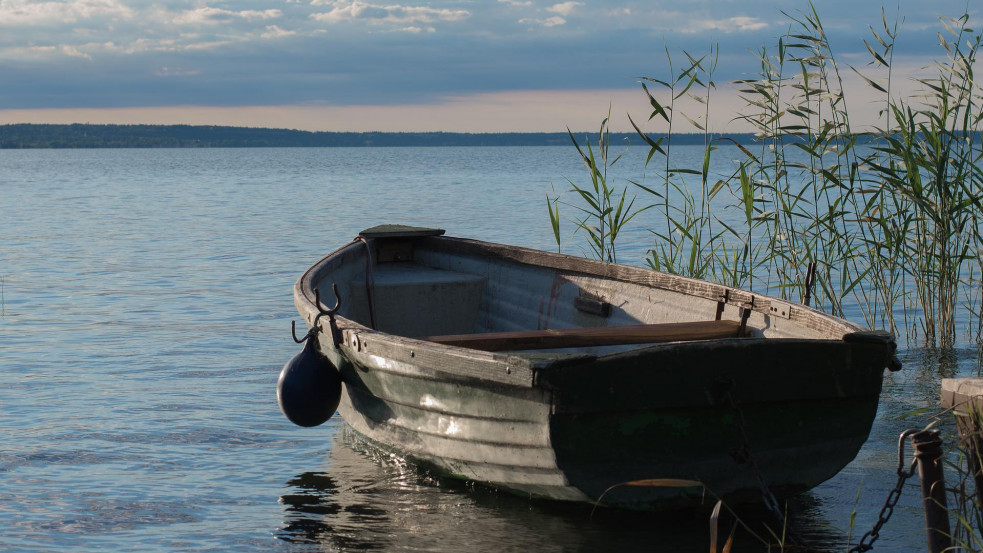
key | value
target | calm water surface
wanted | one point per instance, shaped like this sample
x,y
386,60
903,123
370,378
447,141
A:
x,y
145,308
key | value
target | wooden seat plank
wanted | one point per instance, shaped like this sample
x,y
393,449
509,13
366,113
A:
x,y
592,336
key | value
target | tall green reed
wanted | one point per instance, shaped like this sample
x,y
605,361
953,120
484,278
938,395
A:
x,y
606,211
965,511
930,161
689,241
890,215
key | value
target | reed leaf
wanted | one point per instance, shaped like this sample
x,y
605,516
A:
x,y
892,215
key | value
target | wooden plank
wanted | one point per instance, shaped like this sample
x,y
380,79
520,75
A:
x,y
592,336
428,360
400,231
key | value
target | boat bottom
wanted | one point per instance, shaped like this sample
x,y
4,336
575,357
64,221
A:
x,y
590,462
534,484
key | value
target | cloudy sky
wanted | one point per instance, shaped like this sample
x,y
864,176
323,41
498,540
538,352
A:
x,y
453,65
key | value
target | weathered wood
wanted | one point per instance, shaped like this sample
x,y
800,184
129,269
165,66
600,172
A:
x,y
571,426
594,336
964,396
399,231
437,361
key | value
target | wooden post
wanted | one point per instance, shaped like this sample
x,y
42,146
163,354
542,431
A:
x,y
964,396
928,452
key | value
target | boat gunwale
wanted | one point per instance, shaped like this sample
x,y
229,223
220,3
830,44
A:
x,y
472,365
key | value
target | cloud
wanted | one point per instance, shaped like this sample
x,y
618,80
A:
x,y
214,16
564,8
61,50
15,13
266,52
207,45
347,10
272,31
415,30
171,72
729,25
554,21
73,52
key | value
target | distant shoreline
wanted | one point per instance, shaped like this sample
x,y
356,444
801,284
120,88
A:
x,y
42,136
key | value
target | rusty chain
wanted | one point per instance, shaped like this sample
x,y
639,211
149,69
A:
x,y
866,543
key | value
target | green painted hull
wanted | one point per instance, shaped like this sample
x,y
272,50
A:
x,y
718,420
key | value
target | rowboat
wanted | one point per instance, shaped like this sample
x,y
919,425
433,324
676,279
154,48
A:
x,y
564,378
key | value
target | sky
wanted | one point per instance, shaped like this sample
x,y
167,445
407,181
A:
x,y
411,65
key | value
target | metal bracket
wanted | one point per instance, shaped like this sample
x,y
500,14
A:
x,y
593,306
721,302
780,309
809,283
746,309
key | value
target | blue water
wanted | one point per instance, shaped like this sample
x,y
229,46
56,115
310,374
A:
x,y
145,308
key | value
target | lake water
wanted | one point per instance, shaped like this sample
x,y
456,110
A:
x,y
145,308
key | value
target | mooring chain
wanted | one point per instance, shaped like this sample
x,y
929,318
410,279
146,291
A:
x,y
867,541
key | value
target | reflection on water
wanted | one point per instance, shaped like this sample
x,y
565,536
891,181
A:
x,y
369,500
306,509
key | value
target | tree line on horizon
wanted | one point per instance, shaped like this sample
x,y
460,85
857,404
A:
x,y
27,136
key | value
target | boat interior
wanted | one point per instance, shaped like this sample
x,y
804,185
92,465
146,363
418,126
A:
x,y
419,288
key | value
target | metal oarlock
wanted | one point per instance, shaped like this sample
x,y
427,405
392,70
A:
x,y
335,333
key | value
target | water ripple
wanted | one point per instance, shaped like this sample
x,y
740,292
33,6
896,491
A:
x,y
146,296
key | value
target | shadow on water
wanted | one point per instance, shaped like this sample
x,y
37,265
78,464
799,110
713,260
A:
x,y
369,500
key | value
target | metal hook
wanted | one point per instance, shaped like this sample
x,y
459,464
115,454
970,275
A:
x,y
293,331
320,313
329,312
914,462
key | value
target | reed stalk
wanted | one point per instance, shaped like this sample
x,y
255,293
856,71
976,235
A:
x,y
689,243
605,211
891,216
930,160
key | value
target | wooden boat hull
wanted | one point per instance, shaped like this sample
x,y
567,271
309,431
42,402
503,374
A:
x,y
788,410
